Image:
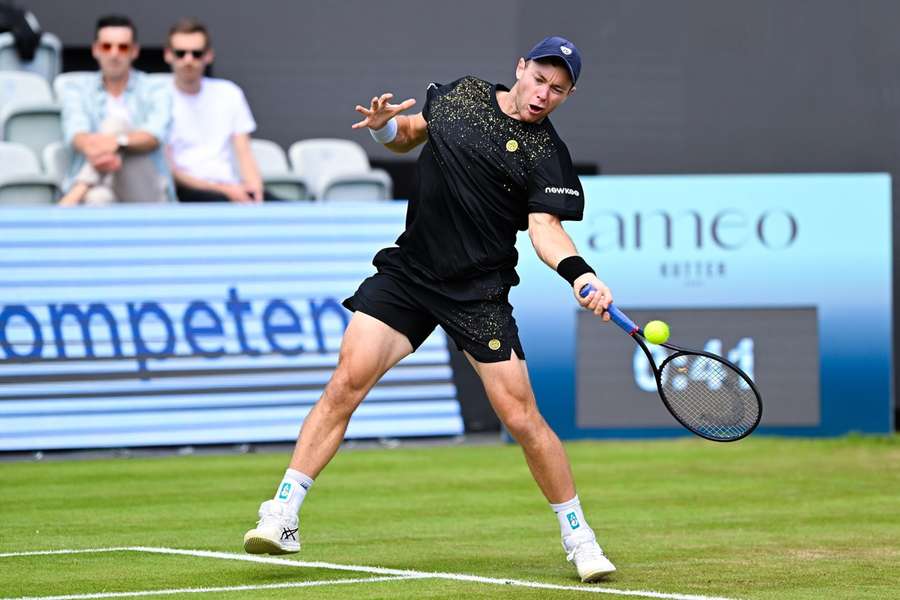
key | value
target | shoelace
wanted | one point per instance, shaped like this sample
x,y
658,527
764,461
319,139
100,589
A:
x,y
588,549
271,517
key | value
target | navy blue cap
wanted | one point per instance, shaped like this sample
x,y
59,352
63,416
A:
x,y
561,48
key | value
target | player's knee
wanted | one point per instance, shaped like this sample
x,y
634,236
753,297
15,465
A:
x,y
346,389
523,423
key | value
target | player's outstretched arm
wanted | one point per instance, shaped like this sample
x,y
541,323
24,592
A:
x,y
410,130
553,245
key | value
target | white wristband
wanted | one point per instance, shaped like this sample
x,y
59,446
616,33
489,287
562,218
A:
x,y
386,134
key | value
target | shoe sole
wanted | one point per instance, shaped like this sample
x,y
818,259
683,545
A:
x,y
596,576
262,545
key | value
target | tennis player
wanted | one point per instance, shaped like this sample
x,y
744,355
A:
x,y
492,165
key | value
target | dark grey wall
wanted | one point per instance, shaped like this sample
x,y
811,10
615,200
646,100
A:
x,y
668,86
305,65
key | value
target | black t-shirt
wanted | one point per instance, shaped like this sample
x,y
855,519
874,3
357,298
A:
x,y
480,174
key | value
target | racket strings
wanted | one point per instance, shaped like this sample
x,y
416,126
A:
x,y
709,397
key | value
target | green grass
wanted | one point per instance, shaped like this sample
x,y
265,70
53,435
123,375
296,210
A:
x,y
765,518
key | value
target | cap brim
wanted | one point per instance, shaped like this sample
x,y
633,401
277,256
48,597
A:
x,y
560,56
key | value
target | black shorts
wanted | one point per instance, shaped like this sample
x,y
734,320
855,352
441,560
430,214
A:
x,y
483,327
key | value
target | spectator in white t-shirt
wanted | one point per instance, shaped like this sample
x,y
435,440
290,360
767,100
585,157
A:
x,y
209,142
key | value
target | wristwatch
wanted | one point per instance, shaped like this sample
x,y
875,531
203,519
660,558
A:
x,y
122,141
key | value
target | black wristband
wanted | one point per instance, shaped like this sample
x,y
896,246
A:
x,y
573,267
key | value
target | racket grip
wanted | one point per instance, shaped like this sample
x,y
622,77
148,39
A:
x,y
617,316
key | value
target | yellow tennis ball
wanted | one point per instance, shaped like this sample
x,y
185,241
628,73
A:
x,y
656,332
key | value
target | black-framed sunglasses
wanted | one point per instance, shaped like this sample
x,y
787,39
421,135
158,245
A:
x,y
180,53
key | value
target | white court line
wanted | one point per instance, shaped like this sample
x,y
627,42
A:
x,y
400,573
234,588
84,551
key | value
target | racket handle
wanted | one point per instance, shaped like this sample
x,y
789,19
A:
x,y
617,316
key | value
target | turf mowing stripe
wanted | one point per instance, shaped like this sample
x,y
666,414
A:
x,y
236,588
397,573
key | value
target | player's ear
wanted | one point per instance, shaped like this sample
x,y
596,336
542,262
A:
x,y
571,91
520,69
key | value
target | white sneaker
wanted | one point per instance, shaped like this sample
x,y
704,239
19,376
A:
x,y
583,551
276,532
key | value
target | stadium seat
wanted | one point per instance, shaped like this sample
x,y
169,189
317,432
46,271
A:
x,y
34,124
27,112
21,180
276,174
21,86
56,158
64,79
47,60
339,170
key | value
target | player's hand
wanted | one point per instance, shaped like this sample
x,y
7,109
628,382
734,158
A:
x,y
381,111
598,300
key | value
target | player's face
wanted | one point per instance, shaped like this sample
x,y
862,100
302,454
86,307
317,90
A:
x,y
189,55
540,88
115,50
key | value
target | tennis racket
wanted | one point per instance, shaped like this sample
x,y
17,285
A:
x,y
709,395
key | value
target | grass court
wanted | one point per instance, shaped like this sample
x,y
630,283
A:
x,y
765,518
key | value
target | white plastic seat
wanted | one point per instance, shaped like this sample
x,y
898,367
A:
x,y
363,187
56,158
64,79
21,180
21,86
339,170
34,124
47,60
276,174
27,112
269,156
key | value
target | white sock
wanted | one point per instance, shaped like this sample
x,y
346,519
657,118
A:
x,y
571,519
292,489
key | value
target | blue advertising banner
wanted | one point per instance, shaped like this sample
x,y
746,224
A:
x,y
169,325
788,275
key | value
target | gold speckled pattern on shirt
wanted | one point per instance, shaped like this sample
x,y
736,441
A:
x,y
468,114
480,174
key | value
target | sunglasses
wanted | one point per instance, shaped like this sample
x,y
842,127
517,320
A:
x,y
108,48
179,53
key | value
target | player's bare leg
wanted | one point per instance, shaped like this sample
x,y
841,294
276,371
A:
x,y
510,394
368,350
